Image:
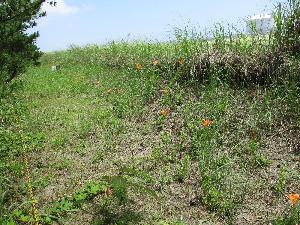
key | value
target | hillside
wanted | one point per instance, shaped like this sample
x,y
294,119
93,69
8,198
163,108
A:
x,y
185,132
210,153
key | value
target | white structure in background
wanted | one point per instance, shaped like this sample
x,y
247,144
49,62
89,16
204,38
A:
x,y
263,24
55,68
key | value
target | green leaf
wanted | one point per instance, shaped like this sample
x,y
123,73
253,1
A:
x,y
80,196
24,218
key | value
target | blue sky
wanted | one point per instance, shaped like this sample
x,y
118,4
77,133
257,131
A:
x,y
82,22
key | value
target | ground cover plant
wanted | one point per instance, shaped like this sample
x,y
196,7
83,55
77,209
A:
x,y
192,131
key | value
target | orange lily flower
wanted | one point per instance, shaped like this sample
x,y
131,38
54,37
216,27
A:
x,y
164,112
206,122
294,198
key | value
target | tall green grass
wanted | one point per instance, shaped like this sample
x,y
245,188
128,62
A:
x,y
232,57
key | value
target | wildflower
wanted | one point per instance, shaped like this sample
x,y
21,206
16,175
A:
x,y
181,61
206,122
155,62
138,66
294,198
164,112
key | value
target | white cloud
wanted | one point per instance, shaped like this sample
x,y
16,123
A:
x,y
61,8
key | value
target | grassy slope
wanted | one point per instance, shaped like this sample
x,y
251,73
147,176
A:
x,y
93,120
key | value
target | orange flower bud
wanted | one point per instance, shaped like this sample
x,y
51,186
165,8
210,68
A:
x,y
138,66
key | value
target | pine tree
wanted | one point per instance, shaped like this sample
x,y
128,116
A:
x,y
17,47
